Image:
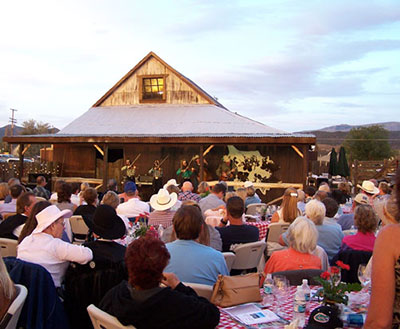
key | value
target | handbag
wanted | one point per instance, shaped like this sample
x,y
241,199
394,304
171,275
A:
x,y
235,290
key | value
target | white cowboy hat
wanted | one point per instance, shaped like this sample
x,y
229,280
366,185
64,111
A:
x,y
368,187
171,182
163,200
248,184
48,216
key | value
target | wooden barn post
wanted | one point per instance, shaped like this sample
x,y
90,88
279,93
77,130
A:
x,y
105,167
201,163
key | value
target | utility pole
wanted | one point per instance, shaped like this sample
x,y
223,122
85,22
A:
x,y
12,120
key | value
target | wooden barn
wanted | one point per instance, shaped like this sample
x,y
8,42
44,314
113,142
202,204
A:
x,y
156,113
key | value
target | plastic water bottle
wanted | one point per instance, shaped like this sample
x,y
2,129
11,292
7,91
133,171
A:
x,y
299,301
306,290
268,284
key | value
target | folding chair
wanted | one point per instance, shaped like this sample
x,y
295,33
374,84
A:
x,y
8,247
254,208
202,290
275,230
78,227
10,319
229,259
102,320
248,255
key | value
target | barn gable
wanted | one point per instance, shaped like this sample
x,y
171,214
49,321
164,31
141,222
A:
x,y
153,81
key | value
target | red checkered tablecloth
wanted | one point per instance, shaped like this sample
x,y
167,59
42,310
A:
x,y
285,311
262,228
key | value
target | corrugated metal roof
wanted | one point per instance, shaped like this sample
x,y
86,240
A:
x,y
167,120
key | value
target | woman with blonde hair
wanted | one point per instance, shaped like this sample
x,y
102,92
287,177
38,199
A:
x,y
289,211
4,191
242,193
7,289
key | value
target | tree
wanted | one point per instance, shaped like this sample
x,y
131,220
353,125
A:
x,y
368,143
32,127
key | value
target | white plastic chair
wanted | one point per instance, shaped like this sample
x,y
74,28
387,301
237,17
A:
x,y
275,230
10,319
78,226
248,255
202,290
213,220
8,247
254,208
103,320
229,259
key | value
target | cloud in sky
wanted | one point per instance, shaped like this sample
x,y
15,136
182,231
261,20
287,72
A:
x,y
267,60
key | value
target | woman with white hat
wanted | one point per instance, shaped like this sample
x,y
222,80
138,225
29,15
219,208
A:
x,y
162,202
45,247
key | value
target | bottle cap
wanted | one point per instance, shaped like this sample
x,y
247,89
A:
x,y
269,276
305,281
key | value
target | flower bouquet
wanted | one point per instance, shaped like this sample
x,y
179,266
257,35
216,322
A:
x,y
333,291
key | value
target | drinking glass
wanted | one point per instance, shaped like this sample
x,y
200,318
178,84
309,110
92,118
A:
x,y
363,276
280,290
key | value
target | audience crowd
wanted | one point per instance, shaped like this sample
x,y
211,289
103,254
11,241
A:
x,y
183,234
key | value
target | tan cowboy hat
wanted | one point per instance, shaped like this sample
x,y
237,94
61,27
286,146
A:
x,y
163,200
171,182
368,187
48,216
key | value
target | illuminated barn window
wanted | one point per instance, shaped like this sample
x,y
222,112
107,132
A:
x,y
153,88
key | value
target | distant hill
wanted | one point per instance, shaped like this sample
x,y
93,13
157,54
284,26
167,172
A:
x,y
391,126
17,130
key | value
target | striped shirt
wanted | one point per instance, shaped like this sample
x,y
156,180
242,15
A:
x,y
161,217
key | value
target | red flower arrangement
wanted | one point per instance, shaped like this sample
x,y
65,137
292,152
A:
x,y
332,290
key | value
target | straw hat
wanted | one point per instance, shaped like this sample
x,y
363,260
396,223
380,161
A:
x,y
248,184
48,216
163,200
171,182
368,187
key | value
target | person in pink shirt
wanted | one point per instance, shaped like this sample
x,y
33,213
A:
x,y
366,222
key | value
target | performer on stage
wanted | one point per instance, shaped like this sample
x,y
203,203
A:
x,y
128,171
195,179
183,173
157,173
226,170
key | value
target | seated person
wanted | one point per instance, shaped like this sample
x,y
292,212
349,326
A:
x,y
45,247
302,238
209,236
12,226
9,207
366,222
40,189
252,196
132,206
88,284
190,260
87,210
141,301
187,193
237,231
7,290
64,192
329,236
346,221
331,208
288,211
214,199
162,203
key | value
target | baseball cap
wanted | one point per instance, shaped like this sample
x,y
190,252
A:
x,y
130,187
324,317
361,198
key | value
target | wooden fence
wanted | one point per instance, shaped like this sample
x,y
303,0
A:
x,y
364,170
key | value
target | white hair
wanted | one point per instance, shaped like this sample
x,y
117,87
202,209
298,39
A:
x,y
315,210
302,235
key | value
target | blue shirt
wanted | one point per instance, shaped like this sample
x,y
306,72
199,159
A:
x,y
252,199
346,221
330,238
195,263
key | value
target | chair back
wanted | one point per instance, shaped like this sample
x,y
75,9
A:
x,y
213,220
8,247
229,259
353,258
42,308
8,214
78,225
275,230
254,208
248,255
296,277
102,320
202,290
10,319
